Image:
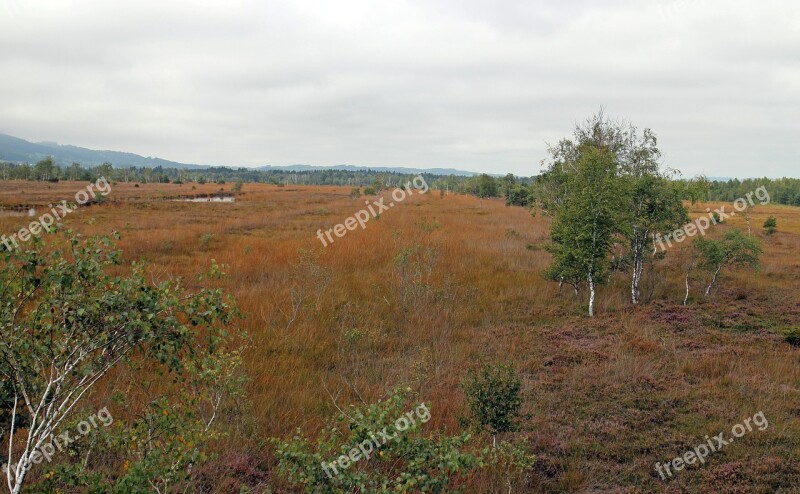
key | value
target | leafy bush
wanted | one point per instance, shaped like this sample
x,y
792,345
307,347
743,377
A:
x,y
733,250
493,395
67,321
770,226
413,460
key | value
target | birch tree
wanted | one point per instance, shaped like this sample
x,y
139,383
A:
x,y
651,203
733,250
652,206
583,228
66,321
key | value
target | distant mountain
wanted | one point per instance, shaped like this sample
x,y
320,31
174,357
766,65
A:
x,y
398,169
21,151
18,150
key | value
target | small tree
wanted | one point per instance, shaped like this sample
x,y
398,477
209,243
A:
x,y
734,249
45,169
770,226
564,270
584,225
493,395
485,186
654,205
65,322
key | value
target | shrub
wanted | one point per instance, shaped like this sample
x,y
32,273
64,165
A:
x,y
733,250
205,240
494,398
792,335
413,460
770,226
68,321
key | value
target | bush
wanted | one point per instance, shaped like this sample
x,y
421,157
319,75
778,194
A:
x,y
413,460
770,226
792,335
205,240
70,319
493,394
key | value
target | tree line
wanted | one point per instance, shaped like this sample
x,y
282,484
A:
x,y
516,191
47,170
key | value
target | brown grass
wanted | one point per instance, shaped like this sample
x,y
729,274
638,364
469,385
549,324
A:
x,y
607,397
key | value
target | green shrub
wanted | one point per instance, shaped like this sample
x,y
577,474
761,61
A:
x,y
414,460
205,240
792,335
770,226
494,398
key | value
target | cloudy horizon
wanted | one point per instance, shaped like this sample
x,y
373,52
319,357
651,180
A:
x,y
472,85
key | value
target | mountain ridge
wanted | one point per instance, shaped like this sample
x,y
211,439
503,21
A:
x,y
17,150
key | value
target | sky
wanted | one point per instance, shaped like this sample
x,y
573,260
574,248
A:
x,y
477,85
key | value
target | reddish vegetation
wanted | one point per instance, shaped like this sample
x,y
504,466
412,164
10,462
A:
x,y
606,397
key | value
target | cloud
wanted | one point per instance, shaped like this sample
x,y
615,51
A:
x,y
476,84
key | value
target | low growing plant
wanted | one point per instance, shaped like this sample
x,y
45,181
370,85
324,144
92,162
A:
x,y
415,460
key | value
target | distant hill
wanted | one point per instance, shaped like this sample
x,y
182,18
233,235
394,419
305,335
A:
x,y
18,150
432,171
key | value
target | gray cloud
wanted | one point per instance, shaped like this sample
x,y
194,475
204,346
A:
x,y
476,84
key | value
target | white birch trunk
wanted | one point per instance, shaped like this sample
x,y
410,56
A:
x,y
687,289
713,281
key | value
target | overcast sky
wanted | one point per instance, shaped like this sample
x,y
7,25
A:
x,y
480,85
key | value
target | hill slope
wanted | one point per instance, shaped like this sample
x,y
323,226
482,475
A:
x,y
21,151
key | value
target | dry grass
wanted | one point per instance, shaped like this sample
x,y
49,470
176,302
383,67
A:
x,y
607,397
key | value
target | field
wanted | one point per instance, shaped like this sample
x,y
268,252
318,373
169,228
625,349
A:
x,y
606,398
